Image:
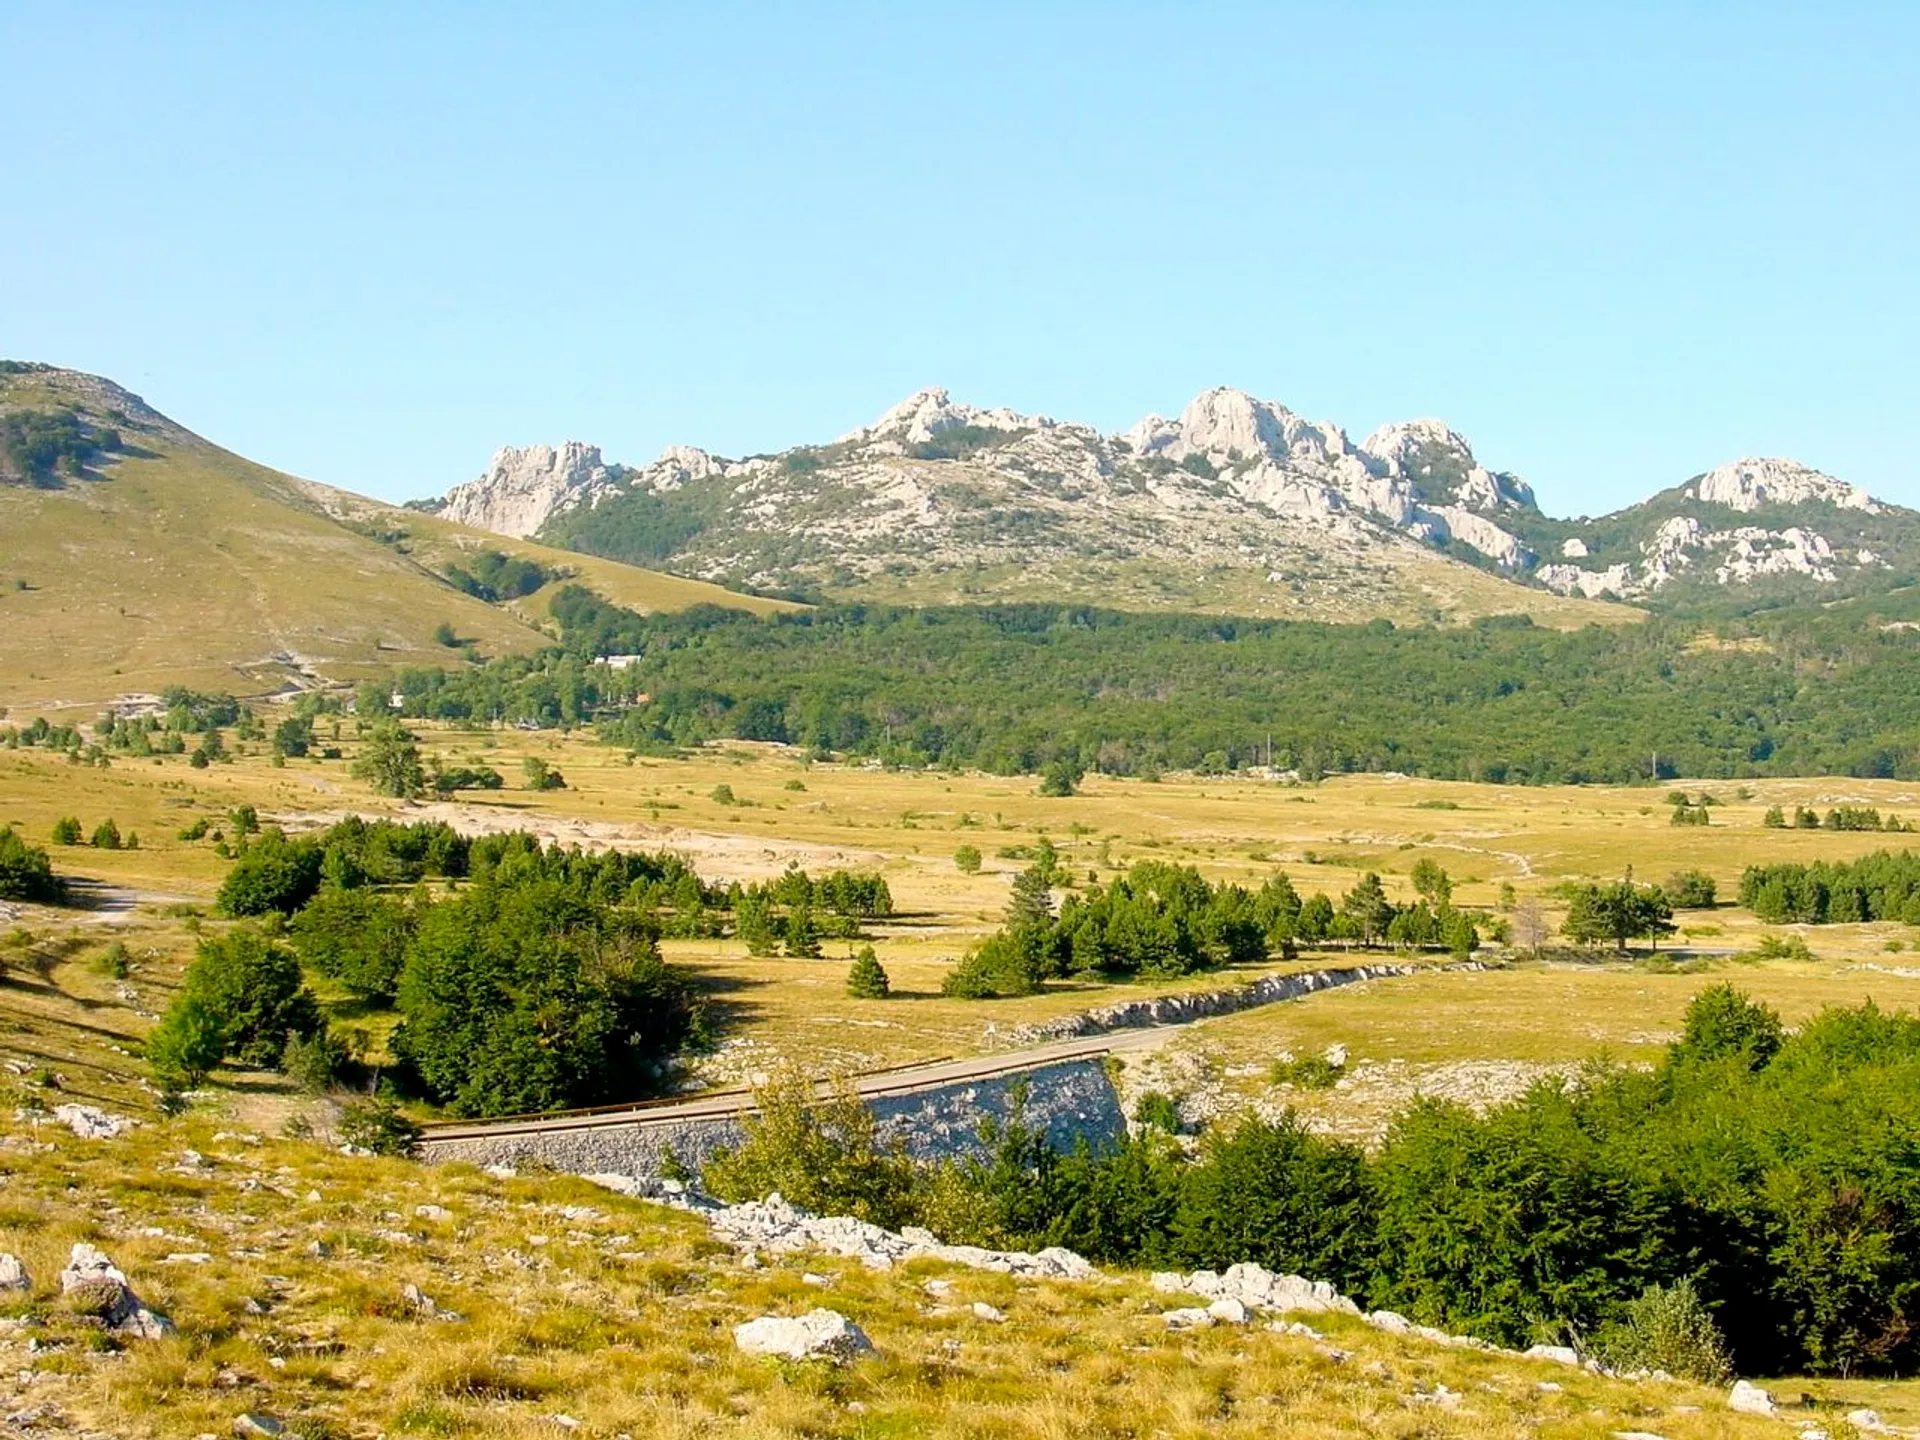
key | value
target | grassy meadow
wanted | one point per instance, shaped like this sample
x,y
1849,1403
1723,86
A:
x,y
620,1317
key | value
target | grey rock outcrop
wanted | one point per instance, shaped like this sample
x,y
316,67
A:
x,y
524,486
778,1228
819,1334
1751,1399
90,1122
96,1282
13,1275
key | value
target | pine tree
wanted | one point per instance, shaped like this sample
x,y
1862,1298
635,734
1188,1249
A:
x,y
866,980
803,935
1367,906
1031,902
754,925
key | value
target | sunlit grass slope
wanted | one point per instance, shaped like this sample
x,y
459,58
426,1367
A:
x,y
178,562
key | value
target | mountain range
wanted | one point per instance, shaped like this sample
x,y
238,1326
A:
x,y
1237,504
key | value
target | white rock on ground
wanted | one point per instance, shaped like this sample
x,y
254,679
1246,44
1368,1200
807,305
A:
x,y
89,1269
1189,1319
1233,1295
90,1122
1750,1399
13,1274
819,1334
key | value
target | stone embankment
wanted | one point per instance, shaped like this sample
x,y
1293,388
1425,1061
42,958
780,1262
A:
x,y
1155,1010
1068,1101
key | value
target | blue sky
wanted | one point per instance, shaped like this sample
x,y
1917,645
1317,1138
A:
x,y
1613,244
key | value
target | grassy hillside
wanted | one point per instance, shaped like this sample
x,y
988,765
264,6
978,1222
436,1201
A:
x,y
164,559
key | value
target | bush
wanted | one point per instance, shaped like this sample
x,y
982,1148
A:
x,y
1690,890
525,992
390,763
106,836
821,1155
1781,947
313,1062
376,1124
967,859
866,980
187,1045
1003,965
66,830
1061,778
252,987
358,937
722,794
1158,1111
1723,1024
1272,1193
1315,1072
1666,1328
273,874
540,775
112,962
26,873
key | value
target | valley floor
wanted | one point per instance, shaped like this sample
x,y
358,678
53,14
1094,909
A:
x,y
618,1314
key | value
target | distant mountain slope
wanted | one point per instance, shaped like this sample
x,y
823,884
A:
x,y
138,555
1237,504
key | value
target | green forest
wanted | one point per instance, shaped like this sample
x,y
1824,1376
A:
x,y
1020,688
1757,1185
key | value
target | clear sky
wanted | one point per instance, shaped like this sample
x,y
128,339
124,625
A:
x,y
1614,244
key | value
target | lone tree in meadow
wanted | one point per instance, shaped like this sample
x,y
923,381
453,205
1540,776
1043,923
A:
x,y
391,763
866,980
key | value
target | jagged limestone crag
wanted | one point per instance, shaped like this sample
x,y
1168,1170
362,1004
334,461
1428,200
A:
x,y
1232,484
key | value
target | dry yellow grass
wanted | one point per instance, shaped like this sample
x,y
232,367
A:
x,y
640,1344
186,564
617,1314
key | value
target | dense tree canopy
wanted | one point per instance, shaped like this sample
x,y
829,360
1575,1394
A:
x,y
1057,688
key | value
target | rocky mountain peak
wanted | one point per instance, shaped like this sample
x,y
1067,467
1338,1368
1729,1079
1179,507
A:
x,y
1748,484
524,485
1228,425
930,412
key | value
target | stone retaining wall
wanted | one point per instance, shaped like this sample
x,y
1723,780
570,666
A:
x,y
1071,1100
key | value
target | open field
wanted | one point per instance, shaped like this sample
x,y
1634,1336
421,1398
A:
x,y
70,1031
907,826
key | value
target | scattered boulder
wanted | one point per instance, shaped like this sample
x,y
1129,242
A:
x,y
91,1123
819,1334
992,1313
432,1212
1558,1354
1188,1319
774,1226
13,1275
1258,1288
256,1424
1750,1399
1229,1311
96,1284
